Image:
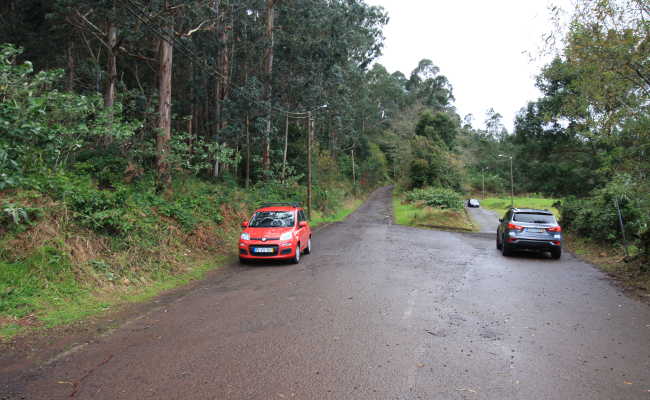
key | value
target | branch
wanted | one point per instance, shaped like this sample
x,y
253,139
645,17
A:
x,y
138,56
635,67
86,20
198,28
95,31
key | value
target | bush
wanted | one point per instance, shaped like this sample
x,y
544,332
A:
x,y
436,197
596,216
43,128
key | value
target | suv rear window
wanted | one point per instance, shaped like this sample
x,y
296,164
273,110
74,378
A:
x,y
267,219
534,218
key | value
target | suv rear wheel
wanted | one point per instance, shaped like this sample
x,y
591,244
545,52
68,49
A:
x,y
556,254
505,249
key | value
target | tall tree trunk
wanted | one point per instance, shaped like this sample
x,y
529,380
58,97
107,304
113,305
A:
x,y
268,71
164,106
71,67
111,69
222,79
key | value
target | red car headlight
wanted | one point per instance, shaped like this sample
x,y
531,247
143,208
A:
x,y
286,236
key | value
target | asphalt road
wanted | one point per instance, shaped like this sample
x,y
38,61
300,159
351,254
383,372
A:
x,y
486,219
377,311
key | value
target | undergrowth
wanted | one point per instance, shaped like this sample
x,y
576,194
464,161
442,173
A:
x,y
74,245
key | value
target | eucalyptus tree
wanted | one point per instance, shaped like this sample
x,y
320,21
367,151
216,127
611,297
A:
x,y
427,85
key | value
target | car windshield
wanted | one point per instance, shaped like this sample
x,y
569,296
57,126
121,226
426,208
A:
x,y
534,218
267,219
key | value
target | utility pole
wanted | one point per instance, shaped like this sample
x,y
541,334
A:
x,y
354,176
248,153
286,145
310,129
512,185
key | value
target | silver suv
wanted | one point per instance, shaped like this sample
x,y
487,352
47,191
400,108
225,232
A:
x,y
530,229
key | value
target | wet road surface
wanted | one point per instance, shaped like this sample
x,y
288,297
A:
x,y
487,220
378,311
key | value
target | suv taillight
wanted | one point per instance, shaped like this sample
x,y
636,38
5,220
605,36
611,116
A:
x,y
554,229
515,227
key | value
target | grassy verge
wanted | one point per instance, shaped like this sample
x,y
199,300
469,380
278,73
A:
x,y
611,259
422,216
55,306
77,251
348,207
501,204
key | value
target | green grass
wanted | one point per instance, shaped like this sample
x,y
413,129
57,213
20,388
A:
x,y
26,284
501,204
60,303
342,213
10,330
412,215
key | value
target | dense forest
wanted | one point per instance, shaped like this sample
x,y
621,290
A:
x,y
133,130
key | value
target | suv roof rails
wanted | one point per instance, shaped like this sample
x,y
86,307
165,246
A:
x,y
281,204
526,210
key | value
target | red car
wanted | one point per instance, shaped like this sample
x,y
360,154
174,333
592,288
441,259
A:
x,y
277,231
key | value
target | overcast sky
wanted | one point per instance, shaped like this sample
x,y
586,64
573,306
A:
x,y
483,47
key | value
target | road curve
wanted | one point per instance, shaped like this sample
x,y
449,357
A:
x,y
378,311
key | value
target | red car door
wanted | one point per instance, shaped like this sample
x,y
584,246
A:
x,y
303,232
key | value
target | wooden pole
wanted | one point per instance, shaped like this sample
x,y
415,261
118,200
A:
x,y
286,145
483,174
354,176
310,129
248,153
512,186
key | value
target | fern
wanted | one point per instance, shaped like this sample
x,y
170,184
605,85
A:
x,y
17,214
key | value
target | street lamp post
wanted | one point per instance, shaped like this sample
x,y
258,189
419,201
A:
x,y
512,181
483,175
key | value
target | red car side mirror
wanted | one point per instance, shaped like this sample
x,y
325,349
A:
x,y
302,224
244,224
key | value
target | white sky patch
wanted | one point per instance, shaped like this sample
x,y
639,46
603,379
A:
x,y
489,50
